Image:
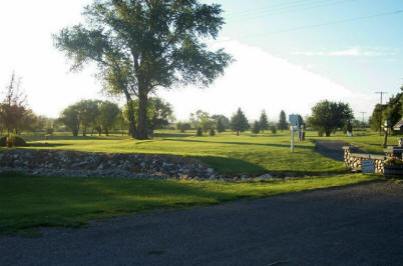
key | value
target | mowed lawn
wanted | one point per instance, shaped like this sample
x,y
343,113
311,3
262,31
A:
x,y
30,202
227,153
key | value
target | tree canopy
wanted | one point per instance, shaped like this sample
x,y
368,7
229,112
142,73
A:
x,y
239,122
140,46
328,116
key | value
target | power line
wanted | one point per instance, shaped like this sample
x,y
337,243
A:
x,y
273,9
288,10
343,21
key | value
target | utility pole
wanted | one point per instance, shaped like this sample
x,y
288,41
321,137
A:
x,y
380,122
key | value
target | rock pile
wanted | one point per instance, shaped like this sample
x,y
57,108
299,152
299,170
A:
x,y
80,164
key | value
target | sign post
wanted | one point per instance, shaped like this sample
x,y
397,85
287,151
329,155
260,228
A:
x,y
294,124
292,138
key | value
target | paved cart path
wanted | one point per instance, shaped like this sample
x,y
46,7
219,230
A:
x,y
331,149
357,225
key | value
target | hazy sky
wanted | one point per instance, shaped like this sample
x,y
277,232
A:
x,y
289,54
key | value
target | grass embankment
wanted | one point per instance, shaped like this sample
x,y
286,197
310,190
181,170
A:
x,y
30,202
227,153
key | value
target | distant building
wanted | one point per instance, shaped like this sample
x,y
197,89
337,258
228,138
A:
x,y
398,127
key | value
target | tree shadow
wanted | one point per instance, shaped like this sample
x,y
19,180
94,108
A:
x,y
46,145
240,143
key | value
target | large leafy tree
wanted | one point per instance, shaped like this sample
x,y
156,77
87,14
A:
x,y
142,45
328,116
239,122
159,113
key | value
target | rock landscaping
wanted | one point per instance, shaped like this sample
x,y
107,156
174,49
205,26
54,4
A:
x,y
353,159
81,164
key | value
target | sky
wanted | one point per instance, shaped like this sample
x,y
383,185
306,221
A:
x,y
289,54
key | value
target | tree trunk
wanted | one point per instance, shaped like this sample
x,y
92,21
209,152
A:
x,y
142,127
130,113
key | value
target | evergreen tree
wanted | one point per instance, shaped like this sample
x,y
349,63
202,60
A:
x,y
239,122
256,127
282,123
263,122
220,126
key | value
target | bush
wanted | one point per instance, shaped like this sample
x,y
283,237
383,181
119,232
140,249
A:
x,y
273,129
3,141
212,132
13,141
199,132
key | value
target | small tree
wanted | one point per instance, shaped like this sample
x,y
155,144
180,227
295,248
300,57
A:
x,y
282,123
70,117
199,132
273,129
239,122
327,116
263,122
220,126
256,127
212,132
15,116
108,115
183,127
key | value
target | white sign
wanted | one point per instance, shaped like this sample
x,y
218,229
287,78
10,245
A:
x,y
294,120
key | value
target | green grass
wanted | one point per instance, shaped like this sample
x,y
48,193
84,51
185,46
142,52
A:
x,y
31,202
226,152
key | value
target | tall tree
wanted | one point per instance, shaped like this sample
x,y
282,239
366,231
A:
x,y
142,45
263,121
282,122
239,122
159,113
327,116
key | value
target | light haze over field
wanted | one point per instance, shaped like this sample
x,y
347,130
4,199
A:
x,y
289,54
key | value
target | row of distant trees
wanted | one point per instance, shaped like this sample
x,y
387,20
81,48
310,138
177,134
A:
x,y
94,116
204,122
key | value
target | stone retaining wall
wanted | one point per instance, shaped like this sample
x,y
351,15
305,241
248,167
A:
x,y
353,159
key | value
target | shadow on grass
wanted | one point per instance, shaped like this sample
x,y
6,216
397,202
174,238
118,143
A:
x,y
239,143
47,145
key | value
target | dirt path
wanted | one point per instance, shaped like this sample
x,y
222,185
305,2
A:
x,y
358,225
331,149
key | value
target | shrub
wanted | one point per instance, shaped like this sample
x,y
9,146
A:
x,y
393,162
273,129
3,141
212,132
12,141
199,132
49,131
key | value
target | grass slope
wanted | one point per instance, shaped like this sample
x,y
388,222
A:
x,y
227,153
30,202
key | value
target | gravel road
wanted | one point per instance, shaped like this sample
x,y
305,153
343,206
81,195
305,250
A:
x,y
357,225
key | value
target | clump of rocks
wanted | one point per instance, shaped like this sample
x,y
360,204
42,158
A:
x,y
81,164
